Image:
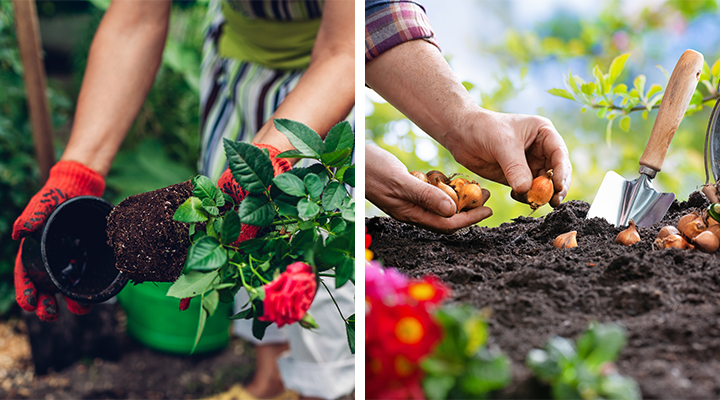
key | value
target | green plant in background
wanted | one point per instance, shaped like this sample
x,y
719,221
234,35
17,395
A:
x,y
463,366
588,371
309,211
618,101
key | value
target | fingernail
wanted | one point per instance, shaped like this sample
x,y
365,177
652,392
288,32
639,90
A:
x,y
447,207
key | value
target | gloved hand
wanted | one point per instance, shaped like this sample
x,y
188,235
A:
x,y
230,187
67,179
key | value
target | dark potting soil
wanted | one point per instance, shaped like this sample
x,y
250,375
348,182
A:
x,y
148,244
669,300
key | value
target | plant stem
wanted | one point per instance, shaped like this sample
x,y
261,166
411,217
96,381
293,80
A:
x,y
242,277
643,108
263,280
333,300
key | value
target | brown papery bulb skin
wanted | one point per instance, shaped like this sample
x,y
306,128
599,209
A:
x,y
436,176
693,228
420,176
566,240
628,236
458,184
707,242
667,231
542,190
715,229
450,192
686,219
674,241
470,196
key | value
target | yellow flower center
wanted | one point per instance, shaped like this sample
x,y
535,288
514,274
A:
x,y
409,330
422,291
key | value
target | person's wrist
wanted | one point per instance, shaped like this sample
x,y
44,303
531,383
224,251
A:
x,y
472,120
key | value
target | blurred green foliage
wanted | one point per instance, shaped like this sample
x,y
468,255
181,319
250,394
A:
x,y
161,148
556,43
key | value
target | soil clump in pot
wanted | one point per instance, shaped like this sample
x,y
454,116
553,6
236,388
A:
x,y
669,300
148,244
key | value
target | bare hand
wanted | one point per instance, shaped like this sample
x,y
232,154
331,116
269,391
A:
x,y
389,186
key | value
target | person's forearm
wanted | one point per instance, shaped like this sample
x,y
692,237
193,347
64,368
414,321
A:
x,y
123,61
416,79
325,93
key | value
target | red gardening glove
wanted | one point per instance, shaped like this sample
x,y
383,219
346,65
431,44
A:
x,y
230,187
67,179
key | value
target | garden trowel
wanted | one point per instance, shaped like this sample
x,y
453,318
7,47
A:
x,y
619,200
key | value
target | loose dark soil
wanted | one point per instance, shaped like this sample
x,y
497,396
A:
x,y
148,244
669,300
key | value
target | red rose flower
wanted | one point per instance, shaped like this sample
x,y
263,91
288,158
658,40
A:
x,y
429,290
289,296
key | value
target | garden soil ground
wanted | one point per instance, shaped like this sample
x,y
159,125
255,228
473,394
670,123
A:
x,y
139,373
669,300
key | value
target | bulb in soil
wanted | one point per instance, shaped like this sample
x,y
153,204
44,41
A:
x,y
566,240
715,229
420,176
471,195
628,236
436,176
707,242
667,231
671,241
693,228
710,191
686,219
450,192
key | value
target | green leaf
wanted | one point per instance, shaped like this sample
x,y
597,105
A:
x,y
191,211
705,74
658,97
645,114
468,85
250,166
204,188
314,185
290,184
620,89
601,343
350,330
639,84
588,88
561,93
655,88
200,328
256,211
244,314
286,209
207,254
616,67
608,132
625,123
438,387
345,272
192,284
349,214
307,209
715,70
208,205
349,176
304,139
602,112
336,158
230,227
259,327
210,302
340,137
600,79
295,154
333,196
219,199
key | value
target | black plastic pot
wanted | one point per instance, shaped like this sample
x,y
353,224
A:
x,y
70,253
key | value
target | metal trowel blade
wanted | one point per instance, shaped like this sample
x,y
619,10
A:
x,y
619,200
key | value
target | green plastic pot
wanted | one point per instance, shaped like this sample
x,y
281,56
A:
x,y
156,321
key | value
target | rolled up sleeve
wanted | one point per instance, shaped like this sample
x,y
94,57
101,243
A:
x,y
389,23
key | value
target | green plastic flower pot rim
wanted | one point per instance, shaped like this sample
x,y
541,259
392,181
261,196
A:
x,y
156,321
714,211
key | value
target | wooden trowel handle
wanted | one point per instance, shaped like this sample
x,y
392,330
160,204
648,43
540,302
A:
x,y
675,101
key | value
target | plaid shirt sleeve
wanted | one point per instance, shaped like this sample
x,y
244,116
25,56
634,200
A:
x,y
389,23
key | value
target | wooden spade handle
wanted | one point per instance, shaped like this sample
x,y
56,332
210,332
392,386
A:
x,y
28,37
675,101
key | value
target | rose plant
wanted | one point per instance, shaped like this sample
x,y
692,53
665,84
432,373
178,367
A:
x,y
304,218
